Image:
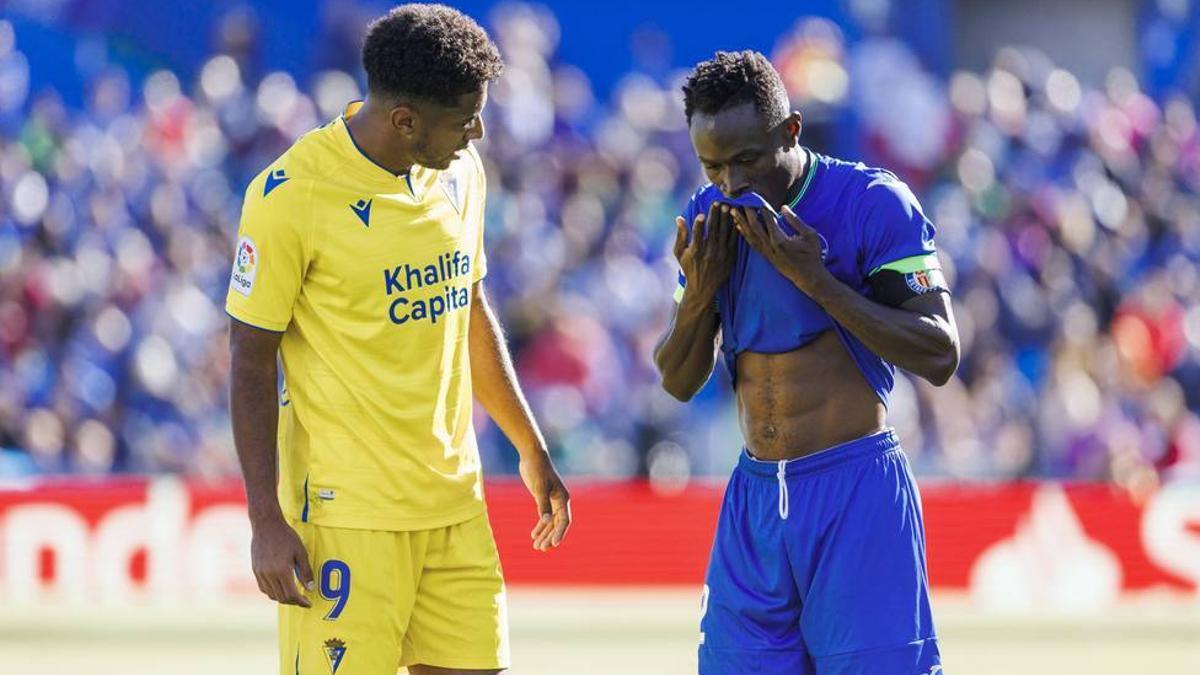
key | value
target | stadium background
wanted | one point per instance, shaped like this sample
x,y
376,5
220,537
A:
x,y
1053,143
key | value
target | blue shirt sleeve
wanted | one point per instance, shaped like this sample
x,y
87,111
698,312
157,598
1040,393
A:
x,y
891,223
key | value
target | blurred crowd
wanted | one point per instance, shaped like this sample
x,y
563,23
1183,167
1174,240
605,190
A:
x,y
1067,221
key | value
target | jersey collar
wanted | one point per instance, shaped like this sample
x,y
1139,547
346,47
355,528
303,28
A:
x,y
810,170
362,159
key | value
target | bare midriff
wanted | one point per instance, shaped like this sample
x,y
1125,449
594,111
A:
x,y
799,402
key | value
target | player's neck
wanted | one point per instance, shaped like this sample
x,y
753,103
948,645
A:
x,y
798,176
370,135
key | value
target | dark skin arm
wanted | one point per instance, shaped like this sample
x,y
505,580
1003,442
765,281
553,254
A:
x,y
687,352
920,336
494,383
276,553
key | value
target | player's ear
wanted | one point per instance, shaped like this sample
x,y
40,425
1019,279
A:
x,y
405,118
793,124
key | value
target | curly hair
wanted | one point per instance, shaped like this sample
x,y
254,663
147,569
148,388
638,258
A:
x,y
428,52
733,78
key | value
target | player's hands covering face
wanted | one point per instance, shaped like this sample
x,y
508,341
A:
x,y
797,257
707,256
553,500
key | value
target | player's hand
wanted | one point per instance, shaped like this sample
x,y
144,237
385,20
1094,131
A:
x,y
707,256
553,500
279,559
798,257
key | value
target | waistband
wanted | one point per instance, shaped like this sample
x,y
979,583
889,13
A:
x,y
859,448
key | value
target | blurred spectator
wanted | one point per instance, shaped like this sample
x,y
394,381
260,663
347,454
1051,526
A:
x,y
1067,220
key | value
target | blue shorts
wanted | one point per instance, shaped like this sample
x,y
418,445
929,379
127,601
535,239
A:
x,y
819,567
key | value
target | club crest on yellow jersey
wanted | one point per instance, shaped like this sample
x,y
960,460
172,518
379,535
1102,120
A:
x,y
449,181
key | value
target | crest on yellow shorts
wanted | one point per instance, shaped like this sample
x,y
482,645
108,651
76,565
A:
x,y
335,649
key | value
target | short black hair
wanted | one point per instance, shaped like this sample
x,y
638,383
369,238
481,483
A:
x,y
729,79
428,52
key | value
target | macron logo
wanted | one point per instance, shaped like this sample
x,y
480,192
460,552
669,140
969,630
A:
x,y
274,180
363,210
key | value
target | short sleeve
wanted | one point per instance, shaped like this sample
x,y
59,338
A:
x,y
893,227
273,252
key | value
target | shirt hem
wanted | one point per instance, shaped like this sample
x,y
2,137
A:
x,y
256,321
362,521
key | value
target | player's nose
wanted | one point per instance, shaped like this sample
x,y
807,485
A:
x,y
734,183
734,190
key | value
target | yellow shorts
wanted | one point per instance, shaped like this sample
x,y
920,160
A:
x,y
385,600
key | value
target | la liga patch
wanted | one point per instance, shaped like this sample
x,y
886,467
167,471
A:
x,y
245,267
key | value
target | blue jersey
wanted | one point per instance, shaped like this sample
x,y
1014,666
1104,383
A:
x,y
868,219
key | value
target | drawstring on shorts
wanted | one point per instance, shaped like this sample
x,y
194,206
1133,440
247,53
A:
x,y
798,468
783,493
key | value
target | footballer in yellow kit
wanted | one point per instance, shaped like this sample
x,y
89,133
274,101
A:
x,y
360,263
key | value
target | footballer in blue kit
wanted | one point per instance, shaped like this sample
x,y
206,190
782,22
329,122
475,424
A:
x,y
812,278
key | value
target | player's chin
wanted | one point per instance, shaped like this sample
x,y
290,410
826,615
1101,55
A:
x,y
445,162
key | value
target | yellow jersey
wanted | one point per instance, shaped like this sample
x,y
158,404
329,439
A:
x,y
369,277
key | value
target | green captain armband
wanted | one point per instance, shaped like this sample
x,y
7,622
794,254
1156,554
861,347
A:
x,y
899,281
